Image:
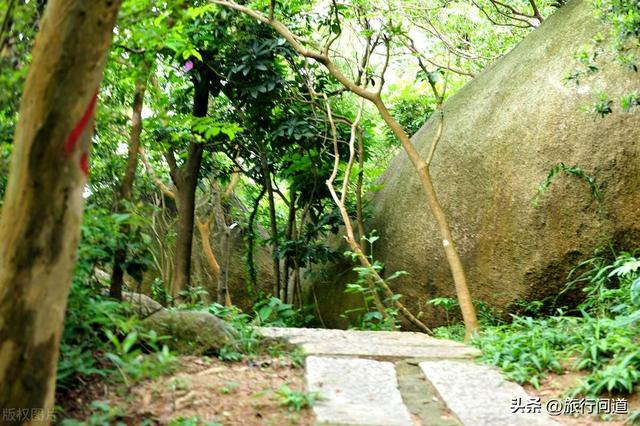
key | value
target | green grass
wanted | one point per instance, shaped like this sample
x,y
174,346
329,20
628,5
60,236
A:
x,y
601,337
297,400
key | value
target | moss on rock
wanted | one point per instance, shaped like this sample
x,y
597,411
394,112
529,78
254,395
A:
x,y
191,332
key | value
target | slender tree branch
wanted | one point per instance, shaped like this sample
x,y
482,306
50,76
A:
x,y
436,139
387,45
350,237
5,23
336,36
147,165
272,8
409,44
173,166
536,11
494,22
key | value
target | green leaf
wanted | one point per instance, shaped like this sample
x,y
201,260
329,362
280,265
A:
x,y
265,313
129,341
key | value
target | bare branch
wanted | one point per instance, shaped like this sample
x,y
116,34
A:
x,y
536,11
387,45
436,139
336,36
512,14
302,50
408,42
164,188
511,9
173,166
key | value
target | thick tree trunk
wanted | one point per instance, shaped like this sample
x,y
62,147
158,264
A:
x,y
126,187
42,212
186,198
186,181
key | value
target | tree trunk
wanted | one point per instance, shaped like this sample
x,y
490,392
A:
x,y
364,244
291,221
223,241
126,187
205,235
455,263
224,296
251,242
42,212
266,173
186,182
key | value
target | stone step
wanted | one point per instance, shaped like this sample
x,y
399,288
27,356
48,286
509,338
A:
x,y
360,392
479,395
371,344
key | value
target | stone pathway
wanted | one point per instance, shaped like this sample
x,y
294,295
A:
x,y
383,378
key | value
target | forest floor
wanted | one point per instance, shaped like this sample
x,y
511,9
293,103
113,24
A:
x,y
201,391
364,378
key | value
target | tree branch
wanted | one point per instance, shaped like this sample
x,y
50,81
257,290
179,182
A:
x,y
163,188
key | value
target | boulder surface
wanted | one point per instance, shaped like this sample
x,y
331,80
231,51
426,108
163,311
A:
x,y
503,133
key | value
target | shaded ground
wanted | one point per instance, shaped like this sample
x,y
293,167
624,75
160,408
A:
x,y
207,391
379,378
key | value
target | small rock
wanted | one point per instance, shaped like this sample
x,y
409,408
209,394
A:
x,y
191,332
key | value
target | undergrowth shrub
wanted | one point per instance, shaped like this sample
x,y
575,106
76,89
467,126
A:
x,y
247,339
527,348
370,287
273,312
102,337
601,337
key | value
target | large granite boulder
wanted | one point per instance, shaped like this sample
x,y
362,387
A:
x,y
503,132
